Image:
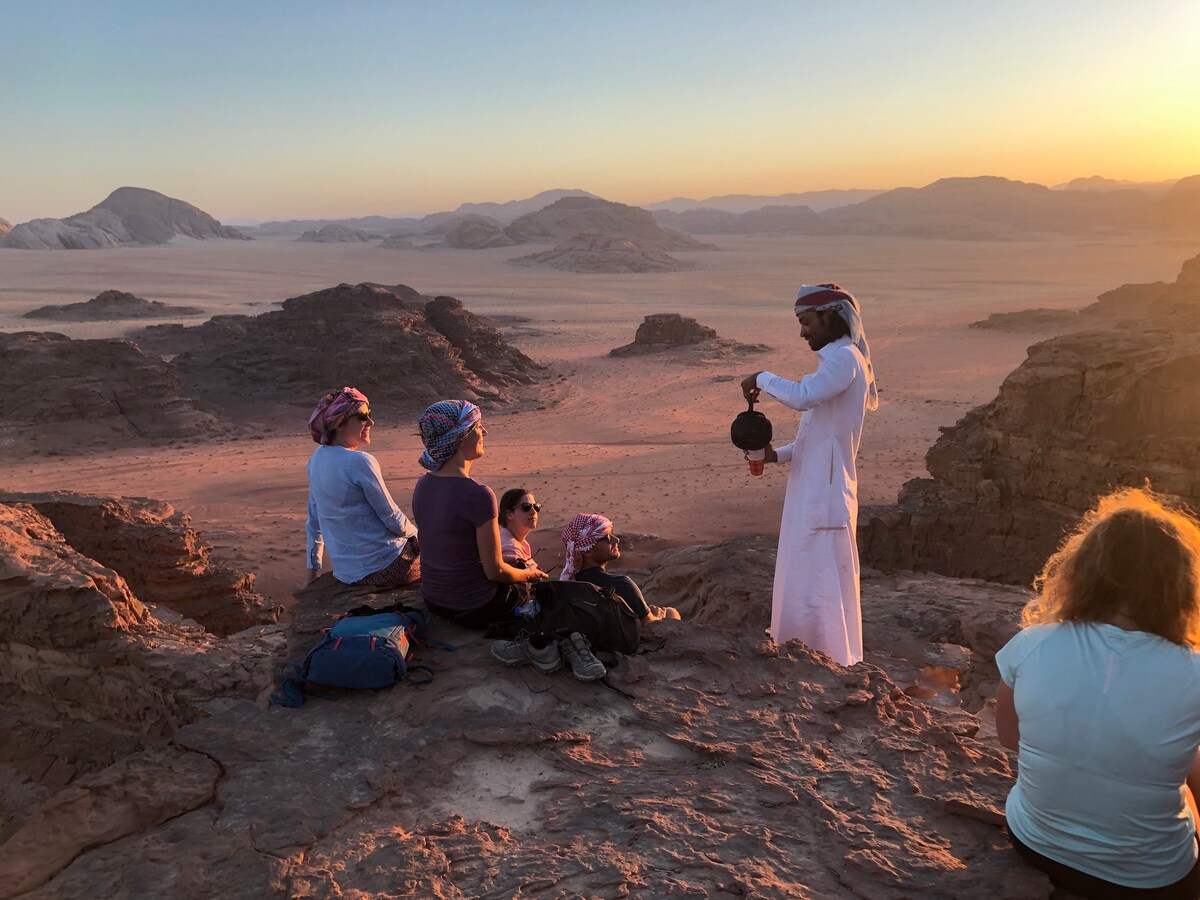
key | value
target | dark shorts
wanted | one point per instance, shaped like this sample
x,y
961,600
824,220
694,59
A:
x,y
1063,876
499,609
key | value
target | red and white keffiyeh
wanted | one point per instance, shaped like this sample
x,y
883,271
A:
x,y
579,536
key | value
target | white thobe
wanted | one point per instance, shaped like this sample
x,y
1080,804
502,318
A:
x,y
816,593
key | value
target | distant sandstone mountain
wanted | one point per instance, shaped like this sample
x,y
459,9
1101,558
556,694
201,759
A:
x,y
402,349
337,234
90,393
570,217
598,253
743,203
1099,183
1084,413
767,220
108,306
129,216
989,208
983,208
5,227
514,209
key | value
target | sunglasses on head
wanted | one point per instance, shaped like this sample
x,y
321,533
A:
x,y
529,507
363,416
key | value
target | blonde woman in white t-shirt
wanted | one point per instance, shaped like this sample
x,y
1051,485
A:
x,y
1101,699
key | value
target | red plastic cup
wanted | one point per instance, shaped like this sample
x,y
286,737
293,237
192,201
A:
x,y
756,459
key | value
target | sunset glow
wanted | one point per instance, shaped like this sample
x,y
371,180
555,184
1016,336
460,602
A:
x,y
303,109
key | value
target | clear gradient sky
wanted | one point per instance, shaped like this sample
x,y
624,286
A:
x,y
255,109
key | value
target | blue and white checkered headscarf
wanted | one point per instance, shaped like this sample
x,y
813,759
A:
x,y
443,426
819,297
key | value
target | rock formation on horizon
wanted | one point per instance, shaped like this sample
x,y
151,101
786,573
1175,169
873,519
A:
x,y
128,217
570,217
600,254
397,242
403,350
660,332
89,394
735,766
1084,413
112,305
477,234
767,220
337,234
983,208
5,227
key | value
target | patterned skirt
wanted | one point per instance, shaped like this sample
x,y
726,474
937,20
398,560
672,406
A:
x,y
404,570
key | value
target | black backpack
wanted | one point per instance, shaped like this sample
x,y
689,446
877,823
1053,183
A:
x,y
599,614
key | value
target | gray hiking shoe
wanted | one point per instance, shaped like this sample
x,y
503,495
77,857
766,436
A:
x,y
579,654
546,658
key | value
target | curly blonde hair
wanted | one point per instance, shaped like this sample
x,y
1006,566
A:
x,y
1137,554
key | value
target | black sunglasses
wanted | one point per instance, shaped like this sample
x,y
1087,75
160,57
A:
x,y
529,507
363,416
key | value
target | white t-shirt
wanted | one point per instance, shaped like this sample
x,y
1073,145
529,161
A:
x,y
1110,723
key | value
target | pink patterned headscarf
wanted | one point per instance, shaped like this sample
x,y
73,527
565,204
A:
x,y
579,536
334,409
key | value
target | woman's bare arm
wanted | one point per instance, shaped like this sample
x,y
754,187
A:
x,y
1008,728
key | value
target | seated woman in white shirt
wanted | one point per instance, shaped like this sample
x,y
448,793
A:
x,y
1101,700
518,512
351,516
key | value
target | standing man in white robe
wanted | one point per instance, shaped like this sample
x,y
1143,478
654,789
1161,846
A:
x,y
816,593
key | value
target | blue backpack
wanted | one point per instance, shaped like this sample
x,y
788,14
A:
x,y
364,649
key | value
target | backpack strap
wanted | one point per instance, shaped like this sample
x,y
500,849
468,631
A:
x,y
425,669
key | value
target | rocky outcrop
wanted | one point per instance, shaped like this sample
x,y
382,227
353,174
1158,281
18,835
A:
x,y
1083,414
660,331
914,626
380,339
612,255
670,331
482,348
336,234
108,306
129,216
570,217
107,392
5,227
1039,320
90,679
725,765
159,556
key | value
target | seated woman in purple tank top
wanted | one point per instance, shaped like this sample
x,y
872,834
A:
x,y
463,577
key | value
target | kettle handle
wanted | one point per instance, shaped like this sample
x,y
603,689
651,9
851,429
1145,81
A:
x,y
750,404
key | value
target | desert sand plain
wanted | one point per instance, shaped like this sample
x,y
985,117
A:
x,y
642,439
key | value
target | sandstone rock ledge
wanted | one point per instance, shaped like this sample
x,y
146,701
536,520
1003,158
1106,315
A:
x,y
1083,414
733,768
